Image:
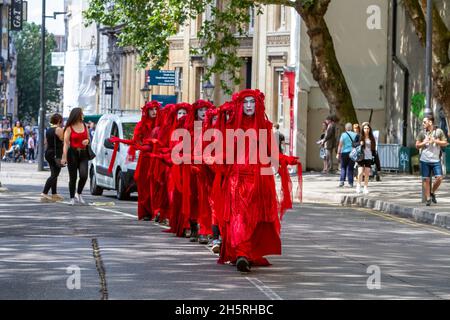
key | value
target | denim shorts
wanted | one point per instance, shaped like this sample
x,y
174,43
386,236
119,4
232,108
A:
x,y
427,167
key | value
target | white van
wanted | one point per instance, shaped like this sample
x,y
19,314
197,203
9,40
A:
x,y
121,179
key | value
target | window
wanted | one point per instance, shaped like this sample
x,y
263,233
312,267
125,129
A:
x,y
115,130
128,130
179,83
251,26
279,107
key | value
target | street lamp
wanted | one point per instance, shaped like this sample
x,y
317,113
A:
x,y
42,111
145,91
429,56
208,89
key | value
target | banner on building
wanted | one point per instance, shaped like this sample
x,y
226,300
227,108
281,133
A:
x,y
17,15
58,59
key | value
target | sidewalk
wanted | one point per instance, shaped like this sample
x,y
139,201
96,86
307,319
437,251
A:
x,y
396,194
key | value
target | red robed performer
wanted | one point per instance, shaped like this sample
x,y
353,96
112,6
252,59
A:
x,y
250,220
142,132
195,203
177,185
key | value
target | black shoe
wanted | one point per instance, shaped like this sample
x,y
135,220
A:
x,y
428,203
194,232
433,198
157,218
242,264
147,218
202,239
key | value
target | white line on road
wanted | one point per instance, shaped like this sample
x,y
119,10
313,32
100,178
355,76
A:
x,y
119,212
264,289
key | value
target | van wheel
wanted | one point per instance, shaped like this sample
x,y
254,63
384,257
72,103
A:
x,y
94,188
121,187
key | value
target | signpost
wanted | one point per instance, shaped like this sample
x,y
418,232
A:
x,y
164,99
17,7
58,59
161,78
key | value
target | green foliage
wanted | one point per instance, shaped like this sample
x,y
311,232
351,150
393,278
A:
x,y
147,26
28,44
418,102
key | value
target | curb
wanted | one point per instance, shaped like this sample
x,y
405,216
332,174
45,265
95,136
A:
x,y
440,219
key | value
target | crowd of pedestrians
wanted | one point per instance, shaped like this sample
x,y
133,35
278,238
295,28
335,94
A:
x,y
18,143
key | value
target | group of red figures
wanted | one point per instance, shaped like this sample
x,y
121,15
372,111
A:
x,y
231,205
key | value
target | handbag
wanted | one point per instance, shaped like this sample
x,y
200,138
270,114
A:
x,y
322,153
57,160
357,154
90,152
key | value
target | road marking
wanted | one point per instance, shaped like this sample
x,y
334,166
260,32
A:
x,y
119,212
404,221
264,289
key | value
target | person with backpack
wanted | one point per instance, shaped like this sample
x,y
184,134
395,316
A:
x,y
346,143
430,141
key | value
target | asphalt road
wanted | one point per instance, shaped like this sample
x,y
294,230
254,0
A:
x,y
328,253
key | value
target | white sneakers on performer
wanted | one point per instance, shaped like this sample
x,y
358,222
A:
x,y
72,201
80,198
366,190
358,188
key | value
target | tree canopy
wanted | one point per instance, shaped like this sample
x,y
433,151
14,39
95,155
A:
x,y
147,26
27,43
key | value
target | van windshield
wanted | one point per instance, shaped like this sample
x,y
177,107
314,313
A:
x,y
128,130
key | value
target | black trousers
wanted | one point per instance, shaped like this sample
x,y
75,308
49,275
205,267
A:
x,y
52,181
77,162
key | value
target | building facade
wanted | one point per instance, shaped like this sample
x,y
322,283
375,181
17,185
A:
x,y
80,70
364,40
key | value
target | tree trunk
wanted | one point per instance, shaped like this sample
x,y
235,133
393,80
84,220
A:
x,y
325,66
441,42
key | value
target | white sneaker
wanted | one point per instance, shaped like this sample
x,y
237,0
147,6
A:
x,y
72,201
358,188
366,190
80,198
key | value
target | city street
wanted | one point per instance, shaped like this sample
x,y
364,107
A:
x,y
329,252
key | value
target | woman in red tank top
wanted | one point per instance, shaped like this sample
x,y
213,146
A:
x,y
75,153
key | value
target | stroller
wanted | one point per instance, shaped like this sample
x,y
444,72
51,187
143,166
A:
x,y
15,153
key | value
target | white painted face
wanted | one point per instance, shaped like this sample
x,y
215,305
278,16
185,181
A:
x,y
152,113
201,113
181,113
249,106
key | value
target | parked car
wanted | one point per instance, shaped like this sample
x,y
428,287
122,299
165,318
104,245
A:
x,y
122,177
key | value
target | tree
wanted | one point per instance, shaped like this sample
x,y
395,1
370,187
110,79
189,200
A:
x,y
441,44
28,43
147,26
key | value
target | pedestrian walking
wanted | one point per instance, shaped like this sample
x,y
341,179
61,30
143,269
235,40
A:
x,y
320,142
54,137
75,153
346,143
368,144
329,143
280,137
31,147
5,132
429,142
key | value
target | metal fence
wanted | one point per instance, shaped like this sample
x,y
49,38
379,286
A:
x,y
389,155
